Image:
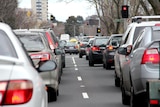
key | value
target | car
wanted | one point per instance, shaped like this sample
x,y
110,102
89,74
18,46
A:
x,y
38,48
53,43
111,47
143,62
82,47
122,61
89,43
70,47
96,50
21,84
61,46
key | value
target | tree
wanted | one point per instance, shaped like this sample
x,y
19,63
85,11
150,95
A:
x,y
72,26
7,11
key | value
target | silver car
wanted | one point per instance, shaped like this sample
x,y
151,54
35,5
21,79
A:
x,y
20,83
143,62
38,48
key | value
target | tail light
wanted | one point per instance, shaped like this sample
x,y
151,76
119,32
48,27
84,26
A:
x,y
158,24
81,44
110,47
150,56
154,102
41,56
15,92
95,48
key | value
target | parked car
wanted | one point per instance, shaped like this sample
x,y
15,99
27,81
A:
x,y
38,48
122,61
96,50
143,63
61,46
21,84
71,48
111,47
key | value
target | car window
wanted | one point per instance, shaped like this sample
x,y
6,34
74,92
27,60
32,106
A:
x,y
136,33
156,35
6,46
139,40
117,38
31,42
100,41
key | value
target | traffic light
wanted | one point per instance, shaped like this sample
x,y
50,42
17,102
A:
x,y
98,30
52,18
124,11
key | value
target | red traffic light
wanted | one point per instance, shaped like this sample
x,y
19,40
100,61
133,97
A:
x,y
124,8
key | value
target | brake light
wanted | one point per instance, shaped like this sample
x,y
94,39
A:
x,y
154,102
150,56
158,24
95,48
110,47
41,56
81,44
15,92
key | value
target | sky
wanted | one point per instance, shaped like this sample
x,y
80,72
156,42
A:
x,y
62,10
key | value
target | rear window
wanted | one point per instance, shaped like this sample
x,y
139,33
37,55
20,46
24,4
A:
x,y
31,42
117,38
136,33
100,41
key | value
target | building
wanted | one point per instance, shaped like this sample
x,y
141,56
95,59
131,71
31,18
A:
x,y
40,9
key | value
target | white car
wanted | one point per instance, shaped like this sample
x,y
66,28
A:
x,y
20,83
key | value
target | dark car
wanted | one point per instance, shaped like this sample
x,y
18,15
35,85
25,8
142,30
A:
x,y
96,50
71,48
82,47
111,47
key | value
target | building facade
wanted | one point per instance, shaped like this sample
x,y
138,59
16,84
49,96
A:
x,y
40,9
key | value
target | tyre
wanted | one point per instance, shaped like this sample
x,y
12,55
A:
x,y
80,55
52,94
116,80
91,63
133,99
107,66
86,57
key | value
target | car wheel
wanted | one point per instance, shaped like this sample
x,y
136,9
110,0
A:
x,y
117,80
86,57
64,65
80,55
52,94
91,63
107,66
125,97
104,65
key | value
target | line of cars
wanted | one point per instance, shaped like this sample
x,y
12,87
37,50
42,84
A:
x,y
20,81
135,57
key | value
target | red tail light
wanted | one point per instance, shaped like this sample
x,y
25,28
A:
x,y
158,24
15,92
150,56
95,48
41,56
154,102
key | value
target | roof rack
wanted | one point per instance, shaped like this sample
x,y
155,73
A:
x,y
139,19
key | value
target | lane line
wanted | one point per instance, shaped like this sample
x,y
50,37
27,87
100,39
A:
x,y
79,78
73,60
76,69
85,95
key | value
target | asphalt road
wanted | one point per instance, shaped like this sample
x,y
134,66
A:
x,y
84,86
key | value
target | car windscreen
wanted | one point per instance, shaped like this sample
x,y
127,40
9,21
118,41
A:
x,y
100,41
31,42
70,44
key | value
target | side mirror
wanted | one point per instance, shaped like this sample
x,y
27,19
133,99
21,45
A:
x,y
47,66
125,50
57,51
